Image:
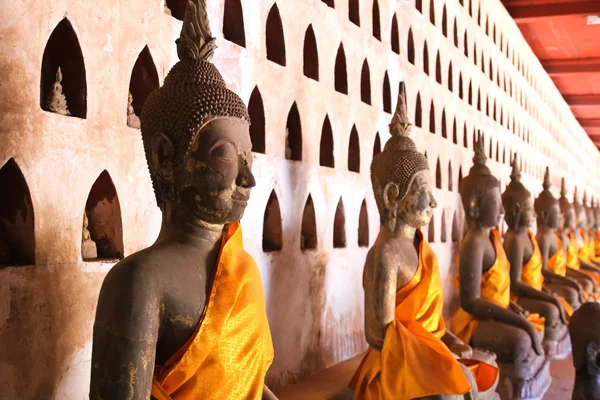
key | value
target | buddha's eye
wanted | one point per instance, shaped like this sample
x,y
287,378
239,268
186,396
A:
x,y
225,152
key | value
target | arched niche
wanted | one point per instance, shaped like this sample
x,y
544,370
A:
x,y
438,175
466,44
450,77
432,12
272,229
419,5
363,225
311,54
326,158
376,145
341,72
432,117
376,21
308,236
410,51
438,69
387,94
460,176
104,215
444,22
455,33
275,37
339,226
256,111
330,3
176,8
431,230
444,127
293,128
63,50
395,35
443,237
17,239
455,228
425,58
470,95
460,86
354,12
365,83
144,79
465,137
478,100
354,151
454,132
418,112
450,177
233,23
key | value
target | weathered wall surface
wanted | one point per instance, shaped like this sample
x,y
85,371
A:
x,y
314,297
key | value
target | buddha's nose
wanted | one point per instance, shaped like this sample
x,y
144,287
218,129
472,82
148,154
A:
x,y
433,202
245,177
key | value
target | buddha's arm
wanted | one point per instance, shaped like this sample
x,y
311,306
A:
x,y
380,297
589,267
125,335
578,274
471,261
456,345
544,245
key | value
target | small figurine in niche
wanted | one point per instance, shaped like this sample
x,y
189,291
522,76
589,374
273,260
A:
x,y
526,275
56,101
133,120
186,318
88,246
487,318
554,262
411,352
585,340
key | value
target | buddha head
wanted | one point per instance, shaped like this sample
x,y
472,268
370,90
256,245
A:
x,y
400,176
196,133
584,330
580,213
480,191
589,212
517,201
596,207
546,206
566,208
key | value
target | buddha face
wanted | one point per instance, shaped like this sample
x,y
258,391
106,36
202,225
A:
x,y
527,213
489,207
568,218
580,217
590,218
215,181
417,206
553,217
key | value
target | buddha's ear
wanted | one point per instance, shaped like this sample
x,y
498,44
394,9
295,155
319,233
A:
x,y
516,210
473,206
390,195
162,157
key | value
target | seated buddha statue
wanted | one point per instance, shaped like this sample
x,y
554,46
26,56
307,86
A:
x,y
411,354
525,258
186,318
554,261
580,235
585,339
567,236
597,226
487,318
591,232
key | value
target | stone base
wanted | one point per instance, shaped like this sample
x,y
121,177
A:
x,y
88,250
558,349
532,387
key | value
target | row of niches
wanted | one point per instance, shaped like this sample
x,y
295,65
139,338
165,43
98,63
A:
x,y
102,230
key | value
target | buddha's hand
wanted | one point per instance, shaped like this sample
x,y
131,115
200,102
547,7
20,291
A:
x,y
536,342
461,350
561,310
518,309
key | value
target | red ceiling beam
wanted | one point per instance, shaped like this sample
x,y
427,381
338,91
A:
x,y
590,123
580,101
572,66
524,12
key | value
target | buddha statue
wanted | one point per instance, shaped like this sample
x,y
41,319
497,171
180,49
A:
x,y
88,246
56,101
525,258
585,339
581,241
566,235
133,120
552,250
487,318
411,354
597,226
186,317
591,232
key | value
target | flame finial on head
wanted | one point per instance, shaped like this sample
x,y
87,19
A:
x,y
515,175
196,41
575,194
584,200
400,126
546,185
563,187
479,158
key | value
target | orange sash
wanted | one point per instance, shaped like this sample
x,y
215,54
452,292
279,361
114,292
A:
x,y
558,262
414,362
597,243
582,252
572,257
495,288
531,273
229,354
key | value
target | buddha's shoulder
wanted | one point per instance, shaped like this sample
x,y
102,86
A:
x,y
144,266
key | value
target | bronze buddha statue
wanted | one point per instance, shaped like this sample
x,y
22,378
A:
x,y
525,258
487,318
410,351
186,317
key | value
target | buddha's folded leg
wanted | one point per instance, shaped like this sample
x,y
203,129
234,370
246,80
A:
x,y
545,309
568,293
509,343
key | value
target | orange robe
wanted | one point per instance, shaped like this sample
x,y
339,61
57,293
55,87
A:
x,y
495,288
229,354
414,362
575,255
592,247
598,243
558,262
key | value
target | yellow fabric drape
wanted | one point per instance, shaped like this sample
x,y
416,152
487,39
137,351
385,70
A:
x,y
572,257
231,350
414,362
558,262
597,243
495,288
531,273
567,307
592,247
582,252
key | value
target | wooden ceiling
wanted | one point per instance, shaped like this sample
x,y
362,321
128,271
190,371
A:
x,y
569,48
